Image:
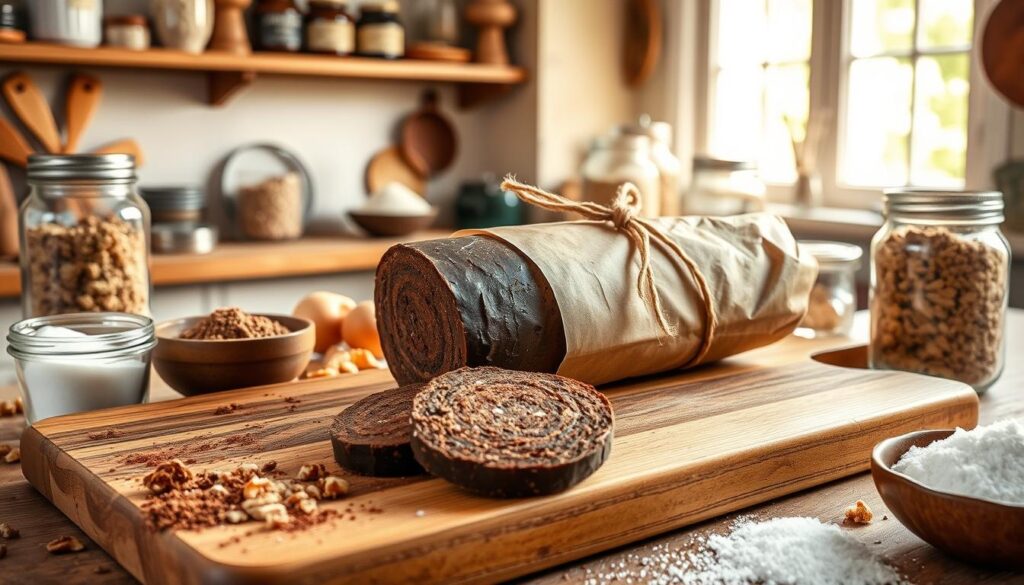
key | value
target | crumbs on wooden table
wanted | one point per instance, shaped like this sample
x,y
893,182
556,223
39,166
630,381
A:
x,y
107,434
228,409
64,545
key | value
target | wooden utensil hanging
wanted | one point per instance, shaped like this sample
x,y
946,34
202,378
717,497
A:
x,y
33,110
125,146
13,146
81,103
388,166
428,141
8,217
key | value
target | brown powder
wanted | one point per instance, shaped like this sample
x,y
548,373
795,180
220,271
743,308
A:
x,y
234,323
107,434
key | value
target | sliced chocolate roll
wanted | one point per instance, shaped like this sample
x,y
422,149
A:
x,y
469,301
372,436
504,433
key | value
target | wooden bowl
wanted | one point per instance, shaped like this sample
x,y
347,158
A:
x,y
393,225
196,366
976,530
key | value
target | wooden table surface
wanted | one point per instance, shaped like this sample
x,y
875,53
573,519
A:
x,y
28,562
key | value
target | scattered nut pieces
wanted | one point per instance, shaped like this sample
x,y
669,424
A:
x,y
64,545
8,532
341,359
8,408
859,513
255,487
236,516
334,487
311,472
13,456
167,476
4,449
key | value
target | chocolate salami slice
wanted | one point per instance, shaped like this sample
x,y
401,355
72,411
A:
x,y
504,433
372,436
468,301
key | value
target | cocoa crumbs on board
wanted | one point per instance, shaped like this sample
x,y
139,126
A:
x,y
221,410
234,323
107,434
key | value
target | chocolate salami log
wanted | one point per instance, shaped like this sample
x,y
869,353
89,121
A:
x,y
468,301
372,436
503,433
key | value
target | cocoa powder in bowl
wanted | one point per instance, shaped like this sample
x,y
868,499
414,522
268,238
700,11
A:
x,y
234,323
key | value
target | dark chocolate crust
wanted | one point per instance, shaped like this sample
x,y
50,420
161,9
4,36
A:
x,y
509,434
372,437
468,301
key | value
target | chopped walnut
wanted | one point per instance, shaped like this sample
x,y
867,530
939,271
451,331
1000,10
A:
x,y
311,472
256,486
235,517
167,476
256,503
268,467
4,449
314,492
334,487
13,456
8,408
8,532
248,468
63,545
267,510
859,513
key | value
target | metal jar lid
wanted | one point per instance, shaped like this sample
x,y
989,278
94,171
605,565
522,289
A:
x,y
81,167
832,254
974,207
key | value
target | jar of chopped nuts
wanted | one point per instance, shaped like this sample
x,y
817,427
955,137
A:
x,y
939,286
833,300
84,236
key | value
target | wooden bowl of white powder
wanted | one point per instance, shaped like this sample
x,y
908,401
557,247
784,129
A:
x,y
960,491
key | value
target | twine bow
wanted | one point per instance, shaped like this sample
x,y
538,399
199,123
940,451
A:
x,y
623,215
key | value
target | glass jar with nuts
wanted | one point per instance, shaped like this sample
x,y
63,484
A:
x,y
84,236
833,300
939,286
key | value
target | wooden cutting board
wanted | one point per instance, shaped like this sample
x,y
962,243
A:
x,y
687,448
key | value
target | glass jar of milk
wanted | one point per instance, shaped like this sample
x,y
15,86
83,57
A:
x,y
81,361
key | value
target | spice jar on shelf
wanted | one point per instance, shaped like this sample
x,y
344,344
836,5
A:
x,y
617,159
939,286
833,300
84,236
278,26
67,22
127,31
185,25
380,33
330,29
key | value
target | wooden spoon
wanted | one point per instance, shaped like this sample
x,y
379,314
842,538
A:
x,y
13,146
123,146
8,217
83,99
33,110
428,142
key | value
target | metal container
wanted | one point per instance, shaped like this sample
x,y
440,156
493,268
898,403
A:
x,y
184,238
170,204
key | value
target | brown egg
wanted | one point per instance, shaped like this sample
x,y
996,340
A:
x,y
359,329
326,310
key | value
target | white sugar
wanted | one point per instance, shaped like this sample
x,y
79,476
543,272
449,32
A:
x,y
987,462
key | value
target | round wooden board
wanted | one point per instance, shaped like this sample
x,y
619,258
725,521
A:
x,y
1002,50
428,51
388,166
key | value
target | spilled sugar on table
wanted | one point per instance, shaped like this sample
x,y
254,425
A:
x,y
688,447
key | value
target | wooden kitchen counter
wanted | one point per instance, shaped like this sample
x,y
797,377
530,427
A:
x,y
40,522
235,261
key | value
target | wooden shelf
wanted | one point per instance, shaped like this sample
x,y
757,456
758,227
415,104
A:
x,y
237,261
228,72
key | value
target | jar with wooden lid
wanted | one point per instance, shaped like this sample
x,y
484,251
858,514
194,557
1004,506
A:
x,y
330,29
380,33
278,26
84,236
617,159
939,286
127,31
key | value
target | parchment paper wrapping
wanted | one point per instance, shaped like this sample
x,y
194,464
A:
x,y
758,280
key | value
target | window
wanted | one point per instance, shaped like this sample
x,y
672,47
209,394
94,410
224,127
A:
x,y
886,82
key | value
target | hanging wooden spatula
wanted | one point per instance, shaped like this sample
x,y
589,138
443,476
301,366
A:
x,y
124,146
82,101
13,146
33,110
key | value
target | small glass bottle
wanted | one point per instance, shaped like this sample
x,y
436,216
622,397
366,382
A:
x,y
939,286
84,236
380,33
279,26
833,300
617,159
330,28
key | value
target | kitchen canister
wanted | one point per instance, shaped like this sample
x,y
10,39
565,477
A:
x,y
939,286
620,158
84,236
833,300
669,166
67,22
185,25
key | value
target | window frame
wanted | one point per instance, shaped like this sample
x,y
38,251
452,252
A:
x,y
988,118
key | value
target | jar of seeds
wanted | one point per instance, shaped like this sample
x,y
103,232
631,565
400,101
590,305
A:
x,y
939,286
84,237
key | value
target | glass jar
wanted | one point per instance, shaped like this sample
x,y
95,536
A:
x,y
184,25
617,159
129,31
724,187
669,166
380,33
833,300
939,286
81,361
329,28
68,22
11,26
279,26
84,236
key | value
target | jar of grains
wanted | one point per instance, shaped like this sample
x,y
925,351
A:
x,y
833,300
939,286
84,236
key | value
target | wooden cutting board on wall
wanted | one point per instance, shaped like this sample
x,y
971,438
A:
x,y
687,448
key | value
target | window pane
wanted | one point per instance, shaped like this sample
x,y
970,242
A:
x,y
877,122
789,30
742,32
939,149
945,23
881,26
786,103
736,129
